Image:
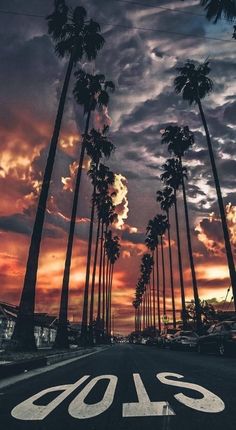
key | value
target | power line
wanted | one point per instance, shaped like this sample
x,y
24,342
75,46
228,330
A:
x,y
171,32
155,30
11,12
176,10
169,9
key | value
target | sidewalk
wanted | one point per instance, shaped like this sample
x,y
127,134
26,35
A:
x,y
14,364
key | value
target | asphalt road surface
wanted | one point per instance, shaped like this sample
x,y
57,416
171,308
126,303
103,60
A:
x,y
126,387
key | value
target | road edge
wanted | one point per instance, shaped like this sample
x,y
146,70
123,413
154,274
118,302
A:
x,y
5,383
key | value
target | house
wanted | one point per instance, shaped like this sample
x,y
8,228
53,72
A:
x,y
45,327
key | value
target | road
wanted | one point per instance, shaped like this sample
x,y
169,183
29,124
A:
x,y
126,387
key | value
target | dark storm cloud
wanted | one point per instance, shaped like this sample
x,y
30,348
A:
x,y
142,65
133,237
230,113
16,223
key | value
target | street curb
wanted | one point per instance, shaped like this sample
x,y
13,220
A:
x,y
12,369
14,379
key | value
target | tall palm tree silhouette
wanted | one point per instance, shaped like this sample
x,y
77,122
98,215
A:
x,y
146,269
113,252
157,228
97,146
179,140
90,91
104,178
194,84
77,38
109,216
102,146
167,199
106,215
172,177
152,242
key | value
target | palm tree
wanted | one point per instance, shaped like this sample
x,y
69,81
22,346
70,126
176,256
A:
x,y
146,269
101,178
162,227
90,91
167,199
157,227
152,242
140,290
109,217
97,146
179,140
172,177
113,255
76,38
106,216
194,84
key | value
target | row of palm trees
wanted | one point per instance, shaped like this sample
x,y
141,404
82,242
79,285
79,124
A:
x,y
194,84
173,177
77,38
143,302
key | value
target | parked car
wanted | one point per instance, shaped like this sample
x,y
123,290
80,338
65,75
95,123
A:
x,y
184,339
144,340
166,337
221,339
152,341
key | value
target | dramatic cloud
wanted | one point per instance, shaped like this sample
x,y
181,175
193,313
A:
x,y
142,65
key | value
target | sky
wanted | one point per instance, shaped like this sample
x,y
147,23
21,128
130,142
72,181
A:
x,y
144,45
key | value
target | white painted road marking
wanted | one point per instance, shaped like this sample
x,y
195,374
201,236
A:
x,y
208,403
81,410
144,407
28,411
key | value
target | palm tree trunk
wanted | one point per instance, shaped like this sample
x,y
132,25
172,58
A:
x,y
109,298
149,307
184,314
62,336
110,294
153,294
144,311
107,295
163,277
23,335
100,276
84,326
150,300
103,284
171,272
141,317
190,252
93,285
158,291
228,247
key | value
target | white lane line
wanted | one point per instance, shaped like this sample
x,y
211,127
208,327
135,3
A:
x,y
24,376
